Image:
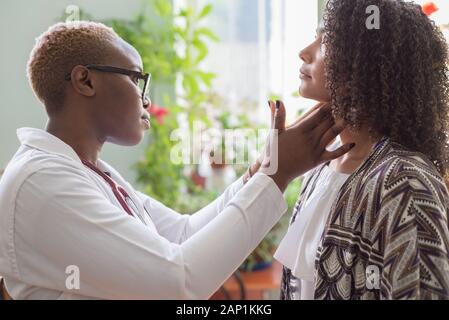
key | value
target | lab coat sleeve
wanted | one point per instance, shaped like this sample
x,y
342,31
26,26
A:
x,y
178,227
71,223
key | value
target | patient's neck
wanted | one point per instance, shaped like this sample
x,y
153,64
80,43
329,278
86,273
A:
x,y
364,143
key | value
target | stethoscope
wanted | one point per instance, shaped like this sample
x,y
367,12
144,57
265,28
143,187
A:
x,y
120,193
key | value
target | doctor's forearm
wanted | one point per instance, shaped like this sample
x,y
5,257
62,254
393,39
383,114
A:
x,y
212,254
201,218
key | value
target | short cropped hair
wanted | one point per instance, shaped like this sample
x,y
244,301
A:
x,y
59,49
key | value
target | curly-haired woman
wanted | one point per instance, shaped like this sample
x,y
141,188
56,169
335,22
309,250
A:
x,y
374,223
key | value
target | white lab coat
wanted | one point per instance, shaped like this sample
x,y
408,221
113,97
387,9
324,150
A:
x,y
55,213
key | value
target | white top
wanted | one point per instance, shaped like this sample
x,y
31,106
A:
x,y
58,217
297,250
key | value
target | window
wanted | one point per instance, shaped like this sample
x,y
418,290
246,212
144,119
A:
x,y
257,55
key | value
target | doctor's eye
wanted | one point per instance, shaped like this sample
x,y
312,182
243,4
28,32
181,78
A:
x,y
135,79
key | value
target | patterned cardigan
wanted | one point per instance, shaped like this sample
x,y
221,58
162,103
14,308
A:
x,y
386,236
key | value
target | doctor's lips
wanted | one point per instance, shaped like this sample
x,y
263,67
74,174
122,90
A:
x,y
146,117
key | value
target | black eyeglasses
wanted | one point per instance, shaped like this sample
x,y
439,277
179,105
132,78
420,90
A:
x,y
141,79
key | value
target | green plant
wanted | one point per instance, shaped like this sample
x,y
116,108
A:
x,y
227,119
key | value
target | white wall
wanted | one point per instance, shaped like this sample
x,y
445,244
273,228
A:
x,y
21,21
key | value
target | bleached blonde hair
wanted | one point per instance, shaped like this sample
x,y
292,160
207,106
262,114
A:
x,y
63,46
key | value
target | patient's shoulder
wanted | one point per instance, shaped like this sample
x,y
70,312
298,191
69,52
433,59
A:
x,y
401,161
401,168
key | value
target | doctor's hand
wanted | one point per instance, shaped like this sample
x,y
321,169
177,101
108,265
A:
x,y
277,124
292,151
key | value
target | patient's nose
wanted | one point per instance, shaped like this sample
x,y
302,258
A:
x,y
304,56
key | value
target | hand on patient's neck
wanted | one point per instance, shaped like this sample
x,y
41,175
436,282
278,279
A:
x,y
364,143
78,134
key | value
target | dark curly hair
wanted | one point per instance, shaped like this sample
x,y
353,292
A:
x,y
394,80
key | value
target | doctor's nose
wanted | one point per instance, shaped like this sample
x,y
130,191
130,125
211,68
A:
x,y
146,102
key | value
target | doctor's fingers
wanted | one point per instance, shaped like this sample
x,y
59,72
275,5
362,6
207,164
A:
x,y
321,132
331,155
307,113
314,119
279,117
331,132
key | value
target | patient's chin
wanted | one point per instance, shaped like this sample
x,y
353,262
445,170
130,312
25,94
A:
x,y
308,92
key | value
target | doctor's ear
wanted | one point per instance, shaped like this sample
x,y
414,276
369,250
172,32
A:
x,y
82,81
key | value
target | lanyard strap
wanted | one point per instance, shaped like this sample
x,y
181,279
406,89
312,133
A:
x,y
118,191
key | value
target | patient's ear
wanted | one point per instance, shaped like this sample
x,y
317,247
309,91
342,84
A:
x,y
82,81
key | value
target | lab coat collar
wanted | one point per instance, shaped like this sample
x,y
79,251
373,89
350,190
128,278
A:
x,y
45,141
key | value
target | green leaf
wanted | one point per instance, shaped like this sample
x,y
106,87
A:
x,y
186,12
205,11
296,94
207,33
274,96
202,49
206,77
163,8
